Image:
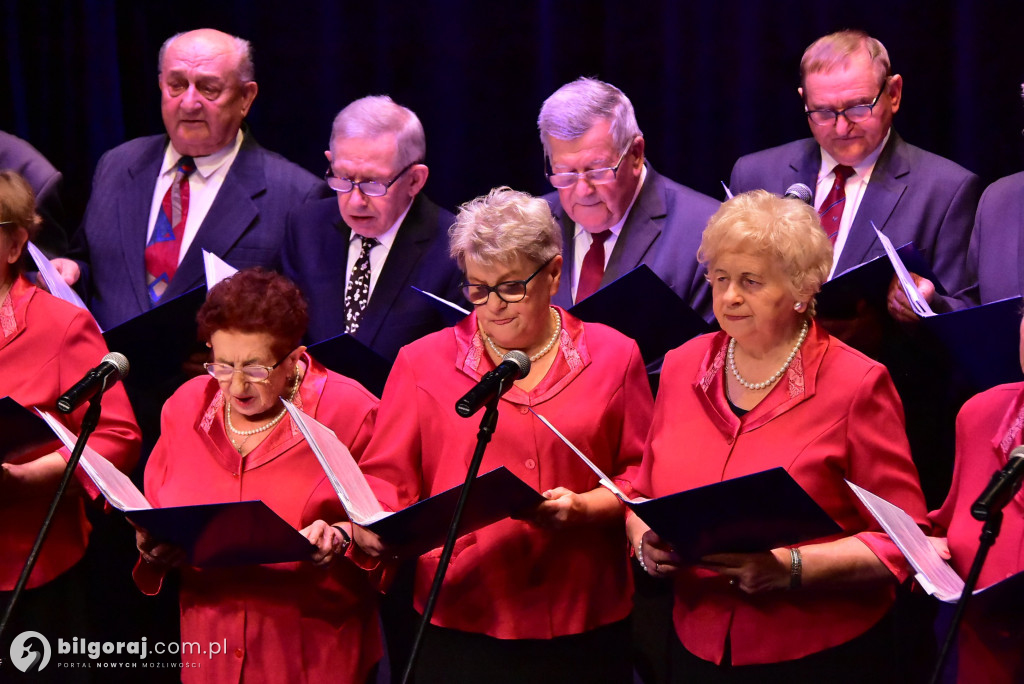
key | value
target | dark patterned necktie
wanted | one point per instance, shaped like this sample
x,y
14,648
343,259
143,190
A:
x,y
831,211
593,266
165,244
358,293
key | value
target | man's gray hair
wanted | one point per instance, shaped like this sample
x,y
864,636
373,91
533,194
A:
x,y
376,115
246,70
576,107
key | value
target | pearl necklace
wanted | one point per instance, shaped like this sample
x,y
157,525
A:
x,y
266,426
778,374
547,347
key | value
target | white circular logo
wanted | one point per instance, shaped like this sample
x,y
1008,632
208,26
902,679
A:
x,y
30,651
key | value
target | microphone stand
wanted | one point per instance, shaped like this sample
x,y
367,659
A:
x,y
89,422
989,532
483,437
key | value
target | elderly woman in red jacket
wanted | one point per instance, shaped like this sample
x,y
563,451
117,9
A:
x,y
774,389
989,427
47,345
542,599
227,437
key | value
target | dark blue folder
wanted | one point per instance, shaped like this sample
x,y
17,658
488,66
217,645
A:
x,y
348,356
984,341
22,431
494,496
640,305
747,514
869,282
226,534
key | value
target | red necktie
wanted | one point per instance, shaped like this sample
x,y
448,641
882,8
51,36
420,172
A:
x,y
831,211
165,243
593,266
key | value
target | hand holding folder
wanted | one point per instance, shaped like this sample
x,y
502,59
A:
x,y
212,535
747,514
423,526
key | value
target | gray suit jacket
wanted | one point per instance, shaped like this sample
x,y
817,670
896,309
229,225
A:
x,y
996,256
914,196
245,224
663,230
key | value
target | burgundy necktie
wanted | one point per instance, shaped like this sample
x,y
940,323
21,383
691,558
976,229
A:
x,y
593,266
165,243
831,211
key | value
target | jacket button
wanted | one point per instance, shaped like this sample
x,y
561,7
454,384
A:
x,y
530,463
239,653
524,410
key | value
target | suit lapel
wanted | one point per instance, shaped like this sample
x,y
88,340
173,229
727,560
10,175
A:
x,y
641,229
887,185
231,213
134,205
413,237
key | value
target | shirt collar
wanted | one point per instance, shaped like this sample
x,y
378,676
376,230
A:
x,y
863,170
388,238
206,165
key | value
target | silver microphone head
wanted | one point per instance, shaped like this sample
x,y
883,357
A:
x,y
521,360
119,361
801,192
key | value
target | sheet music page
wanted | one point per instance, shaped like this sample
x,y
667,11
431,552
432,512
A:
x,y
934,574
54,283
115,486
444,301
917,301
342,470
728,192
216,269
602,478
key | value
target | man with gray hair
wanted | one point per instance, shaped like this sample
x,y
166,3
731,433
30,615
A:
x,y
356,256
615,210
157,202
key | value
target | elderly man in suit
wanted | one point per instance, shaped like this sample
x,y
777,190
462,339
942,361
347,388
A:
x,y
863,171
615,210
158,201
356,256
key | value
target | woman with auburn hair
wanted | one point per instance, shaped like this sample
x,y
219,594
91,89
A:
x,y
227,437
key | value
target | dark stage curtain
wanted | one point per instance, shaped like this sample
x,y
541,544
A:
x,y
710,80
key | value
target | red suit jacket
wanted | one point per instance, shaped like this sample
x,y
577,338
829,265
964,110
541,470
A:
x,y
834,415
46,346
987,429
291,622
512,580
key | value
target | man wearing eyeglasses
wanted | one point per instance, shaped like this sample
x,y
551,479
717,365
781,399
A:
x,y
863,171
356,256
616,212
157,202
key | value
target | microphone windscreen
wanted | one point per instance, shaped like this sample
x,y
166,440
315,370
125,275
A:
x,y
520,359
119,361
801,192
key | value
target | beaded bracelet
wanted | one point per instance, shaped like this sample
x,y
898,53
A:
x,y
796,568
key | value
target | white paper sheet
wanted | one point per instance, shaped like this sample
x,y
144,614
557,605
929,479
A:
x,y
216,269
54,283
917,300
115,486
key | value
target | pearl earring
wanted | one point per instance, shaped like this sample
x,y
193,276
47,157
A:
x,y
798,306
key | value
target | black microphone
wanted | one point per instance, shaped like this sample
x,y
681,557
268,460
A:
x,y
112,368
514,365
801,192
1001,489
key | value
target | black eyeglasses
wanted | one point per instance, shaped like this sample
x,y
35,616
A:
x,y
854,114
223,372
370,188
4,224
567,179
510,291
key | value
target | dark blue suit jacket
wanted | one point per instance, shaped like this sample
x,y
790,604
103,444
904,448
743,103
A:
x,y
913,196
315,256
996,255
245,224
663,230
